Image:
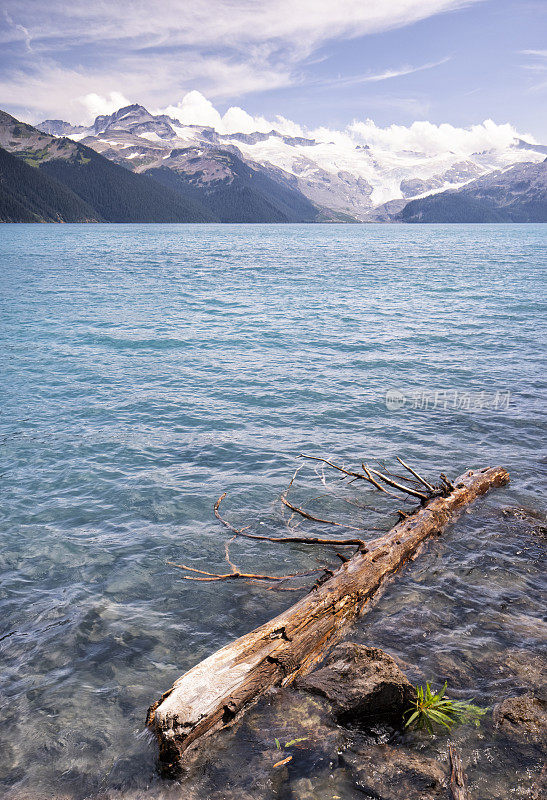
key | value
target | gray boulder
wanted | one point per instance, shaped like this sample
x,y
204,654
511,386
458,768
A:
x,y
363,684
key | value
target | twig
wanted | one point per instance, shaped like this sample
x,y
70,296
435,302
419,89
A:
x,y
378,485
360,506
449,485
227,552
419,477
218,576
293,539
305,514
396,474
353,475
458,789
315,519
238,531
399,486
297,470
335,466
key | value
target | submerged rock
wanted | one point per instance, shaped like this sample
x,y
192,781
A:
x,y
539,789
535,519
363,684
523,717
394,773
246,762
528,669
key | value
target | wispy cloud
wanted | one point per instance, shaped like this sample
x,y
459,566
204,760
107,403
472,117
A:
x,y
354,80
306,23
538,66
20,30
225,49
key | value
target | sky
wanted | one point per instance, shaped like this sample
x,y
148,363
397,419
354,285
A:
x,y
328,63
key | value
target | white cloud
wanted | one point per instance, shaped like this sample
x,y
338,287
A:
x,y
97,105
538,65
195,109
267,25
236,119
49,90
421,137
425,137
19,30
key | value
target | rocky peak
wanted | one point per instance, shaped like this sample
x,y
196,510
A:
x,y
129,114
520,144
135,119
57,127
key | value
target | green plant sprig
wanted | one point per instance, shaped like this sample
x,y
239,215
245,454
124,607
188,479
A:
x,y
279,746
436,709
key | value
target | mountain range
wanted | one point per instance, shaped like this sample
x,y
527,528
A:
x,y
133,166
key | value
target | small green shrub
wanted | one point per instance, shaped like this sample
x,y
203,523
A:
x,y
431,709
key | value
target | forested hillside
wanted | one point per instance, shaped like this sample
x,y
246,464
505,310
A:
x,y
29,195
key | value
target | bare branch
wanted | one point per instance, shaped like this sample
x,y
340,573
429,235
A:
x,y
378,485
238,531
419,477
392,474
360,506
399,486
227,553
292,539
447,483
315,519
335,466
297,470
218,576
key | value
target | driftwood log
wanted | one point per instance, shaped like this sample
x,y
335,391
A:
x,y
216,691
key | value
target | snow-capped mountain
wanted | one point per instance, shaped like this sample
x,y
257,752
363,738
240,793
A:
x,y
356,174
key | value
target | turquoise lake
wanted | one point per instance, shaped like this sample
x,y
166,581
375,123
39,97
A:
x,y
146,369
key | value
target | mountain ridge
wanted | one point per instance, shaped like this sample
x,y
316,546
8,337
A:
x,y
113,192
223,189
134,166
517,194
351,179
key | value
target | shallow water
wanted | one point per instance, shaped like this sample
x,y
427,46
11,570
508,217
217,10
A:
x,y
146,369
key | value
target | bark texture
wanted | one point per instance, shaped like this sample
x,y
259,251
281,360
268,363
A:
x,y
216,691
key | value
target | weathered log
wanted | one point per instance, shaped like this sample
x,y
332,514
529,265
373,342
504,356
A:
x,y
213,693
458,789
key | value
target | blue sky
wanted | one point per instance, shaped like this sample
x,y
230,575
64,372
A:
x,y
316,62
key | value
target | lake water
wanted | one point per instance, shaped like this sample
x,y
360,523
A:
x,y
145,369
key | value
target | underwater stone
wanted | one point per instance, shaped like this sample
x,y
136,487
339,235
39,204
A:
x,y
523,717
394,773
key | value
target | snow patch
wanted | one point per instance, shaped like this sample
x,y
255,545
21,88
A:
x,y
152,136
